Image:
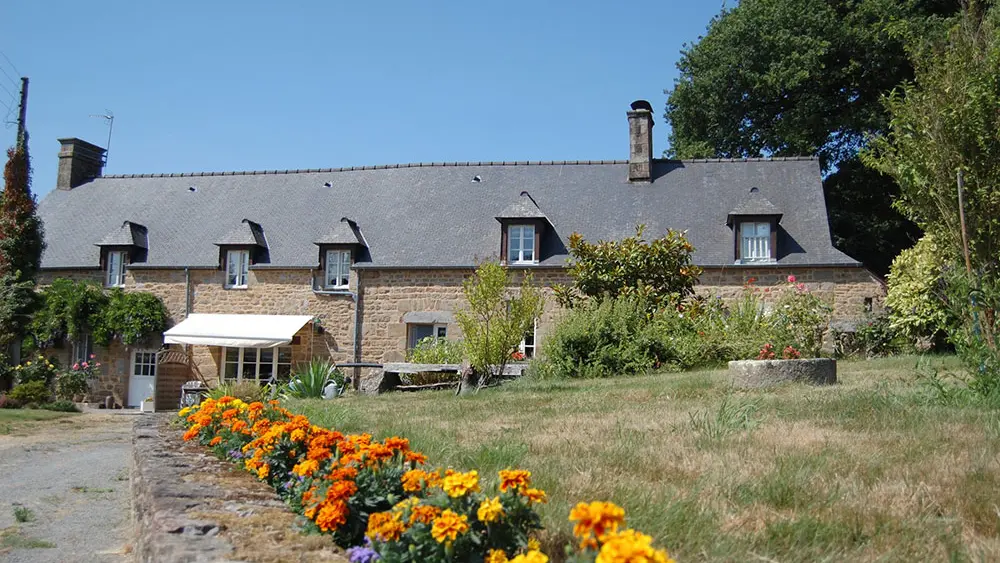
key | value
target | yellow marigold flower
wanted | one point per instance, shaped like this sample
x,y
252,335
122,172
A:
x,y
533,545
412,480
531,557
28,363
184,412
408,502
461,484
514,479
496,556
298,435
385,526
594,520
448,526
490,510
629,546
306,468
263,471
535,495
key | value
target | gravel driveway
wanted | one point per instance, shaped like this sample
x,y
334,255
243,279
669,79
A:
x,y
72,473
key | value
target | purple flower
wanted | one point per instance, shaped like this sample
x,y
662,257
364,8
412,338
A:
x,y
235,454
363,554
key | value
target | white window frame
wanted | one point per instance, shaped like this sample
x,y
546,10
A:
x,y
114,274
338,269
241,361
148,362
516,254
438,330
755,247
83,348
524,347
237,268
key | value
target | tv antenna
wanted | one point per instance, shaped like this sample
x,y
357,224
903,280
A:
x,y
110,118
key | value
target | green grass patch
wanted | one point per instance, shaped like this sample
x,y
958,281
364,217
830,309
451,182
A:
x,y
12,538
16,420
873,468
23,514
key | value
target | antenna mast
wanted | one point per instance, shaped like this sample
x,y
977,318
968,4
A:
x,y
110,118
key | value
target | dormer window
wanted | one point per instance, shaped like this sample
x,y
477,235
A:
x,y
521,244
338,269
115,271
237,268
755,241
522,228
755,228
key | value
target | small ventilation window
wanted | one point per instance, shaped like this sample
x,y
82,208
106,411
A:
x,y
477,178
327,185
192,189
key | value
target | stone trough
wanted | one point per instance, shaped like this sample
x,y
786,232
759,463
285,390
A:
x,y
756,374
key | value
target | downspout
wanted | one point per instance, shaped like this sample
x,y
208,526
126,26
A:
x,y
187,292
357,332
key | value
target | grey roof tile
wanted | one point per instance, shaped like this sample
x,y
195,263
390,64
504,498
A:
x,y
436,216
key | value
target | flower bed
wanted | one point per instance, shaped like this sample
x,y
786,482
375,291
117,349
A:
x,y
380,500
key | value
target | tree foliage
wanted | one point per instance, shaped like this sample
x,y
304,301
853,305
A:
x,y
803,77
71,309
496,320
21,246
130,317
946,121
915,299
659,271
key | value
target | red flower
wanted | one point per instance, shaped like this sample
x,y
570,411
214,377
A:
x,y
791,279
517,355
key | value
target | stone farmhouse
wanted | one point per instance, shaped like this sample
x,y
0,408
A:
x,y
263,270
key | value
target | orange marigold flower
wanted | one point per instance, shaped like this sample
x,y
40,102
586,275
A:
x,y
318,454
629,546
397,443
192,432
263,471
448,526
298,435
424,514
594,520
496,556
514,479
413,480
385,526
239,426
230,414
342,473
215,441
341,490
415,457
332,516
533,556
225,399
535,495
461,484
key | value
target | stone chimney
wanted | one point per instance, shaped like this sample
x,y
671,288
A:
x,y
640,135
79,162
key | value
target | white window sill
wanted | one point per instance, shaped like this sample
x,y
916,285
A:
x,y
333,291
235,287
767,262
525,263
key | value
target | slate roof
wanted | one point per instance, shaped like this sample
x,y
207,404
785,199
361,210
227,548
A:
x,y
128,234
246,233
340,232
523,208
755,204
437,215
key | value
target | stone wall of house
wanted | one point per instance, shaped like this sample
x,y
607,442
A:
x,y
849,290
386,297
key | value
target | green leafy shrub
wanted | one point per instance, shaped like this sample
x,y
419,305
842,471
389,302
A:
x,y
660,270
874,337
246,391
915,298
310,381
60,406
431,350
974,301
38,369
496,319
611,337
129,317
69,309
33,392
72,383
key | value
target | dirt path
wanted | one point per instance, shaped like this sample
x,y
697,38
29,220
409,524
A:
x,y
72,474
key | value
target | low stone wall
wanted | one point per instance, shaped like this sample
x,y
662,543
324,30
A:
x,y
754,374
188,506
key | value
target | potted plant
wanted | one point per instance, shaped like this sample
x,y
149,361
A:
x,y
147,405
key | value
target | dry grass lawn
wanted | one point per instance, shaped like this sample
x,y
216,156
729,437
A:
x,y
875,468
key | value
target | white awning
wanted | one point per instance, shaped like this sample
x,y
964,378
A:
x,y
246,331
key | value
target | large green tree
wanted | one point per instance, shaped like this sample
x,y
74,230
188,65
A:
x,y
21,246
804,77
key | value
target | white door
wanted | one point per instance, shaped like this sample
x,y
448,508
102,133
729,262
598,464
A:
x,y
142,378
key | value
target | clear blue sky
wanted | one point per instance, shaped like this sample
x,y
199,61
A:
x,y
213,85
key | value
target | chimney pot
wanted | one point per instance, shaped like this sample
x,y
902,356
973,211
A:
x,y
640,129
79,162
